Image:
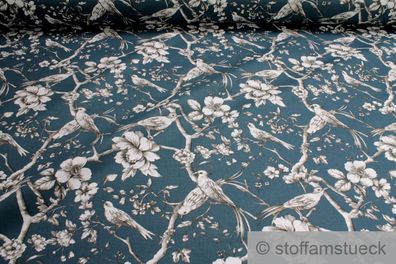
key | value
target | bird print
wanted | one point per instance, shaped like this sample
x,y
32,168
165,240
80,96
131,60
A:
x,y
240,19
194,199
381,131
301,202
111,34
51,79
156,123
55,21
323,117
265,74
102,7
265,136
81,120
202,68
120,218
146,83
161,37
341,17
53,44
350,80
164,13
245,42
214,192
7,139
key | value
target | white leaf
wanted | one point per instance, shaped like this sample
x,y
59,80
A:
x,y
336,174
194,104
110,177
343,185
45,183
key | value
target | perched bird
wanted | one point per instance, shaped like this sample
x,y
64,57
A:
x,y
214,192
102,7
194,199
305,201
164,13
55,21
163,37
341,17
51,79
121,218
156,123
108,33
356,82
265,136
323,117
52,44
388,128
204,68
245,42
6,138
146,83
81,120
240,19
265,74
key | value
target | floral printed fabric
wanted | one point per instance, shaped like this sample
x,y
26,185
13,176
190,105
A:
x,y
80,14
168,143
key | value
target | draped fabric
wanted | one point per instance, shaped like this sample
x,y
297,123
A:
x,y
164,131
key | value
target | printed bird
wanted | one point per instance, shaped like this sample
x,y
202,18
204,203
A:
x,y
200,69
323,117
104,6
245,42
162,37
55,21
265,74
52,44
341,17
305,201
52,79
81,120
240,19
265,136
214,192
355,82
6,138
156,123
108,33
194,199
388,128
146,83
203,67
164,13
121,218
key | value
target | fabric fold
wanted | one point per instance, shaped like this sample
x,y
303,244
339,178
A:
x,y
256,14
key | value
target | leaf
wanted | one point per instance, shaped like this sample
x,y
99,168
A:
x,y
60,192
110,177
336,174
195,116
194,105
343,185
45,183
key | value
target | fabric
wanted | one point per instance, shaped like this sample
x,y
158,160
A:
x,y
155,142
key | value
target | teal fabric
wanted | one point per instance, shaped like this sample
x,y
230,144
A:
x,y
248,118
120,13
